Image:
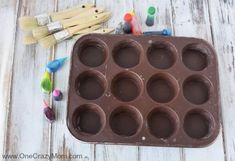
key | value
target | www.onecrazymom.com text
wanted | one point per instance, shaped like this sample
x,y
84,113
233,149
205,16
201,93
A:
x,y
80,157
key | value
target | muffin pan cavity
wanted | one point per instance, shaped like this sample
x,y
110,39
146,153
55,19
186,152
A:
x,y
126,86
162,87
126,54
198,124
90,85
125,121
144,90
92,53
196,89
162,122
161,55
195,57
88,119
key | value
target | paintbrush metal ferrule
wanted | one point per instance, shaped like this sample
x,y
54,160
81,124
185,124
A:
x,y
62,35
54,26
43,19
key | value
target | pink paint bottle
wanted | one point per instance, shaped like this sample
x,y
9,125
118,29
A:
x,y
136,28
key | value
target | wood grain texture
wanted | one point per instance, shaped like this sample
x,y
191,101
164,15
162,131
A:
x,y
28,130
8,17
223,29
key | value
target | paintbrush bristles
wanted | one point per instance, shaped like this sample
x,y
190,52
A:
x,y
28,23
40,32
48,41
29,39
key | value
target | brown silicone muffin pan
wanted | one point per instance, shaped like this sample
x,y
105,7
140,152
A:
x,y
144,90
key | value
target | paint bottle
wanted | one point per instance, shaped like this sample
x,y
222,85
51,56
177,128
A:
x,y
136,28
127,27
150,17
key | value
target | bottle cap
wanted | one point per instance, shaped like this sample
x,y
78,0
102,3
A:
x,y
128,17
167,32
56,93
132,13
151,10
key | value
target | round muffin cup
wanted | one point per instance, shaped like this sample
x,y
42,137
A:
x,y
91,85
197,89
88,119
92,52
126,86
125,121
161,55
162,87
198,124
127,54
163,122
195,56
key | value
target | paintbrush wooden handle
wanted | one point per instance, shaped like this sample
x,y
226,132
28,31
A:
x,y
68,13
81,17
99,31
91,11
83,20
89,29
77,7
103,31
73,30
94,29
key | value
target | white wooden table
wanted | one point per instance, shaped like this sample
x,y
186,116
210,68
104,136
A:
x,y
23,128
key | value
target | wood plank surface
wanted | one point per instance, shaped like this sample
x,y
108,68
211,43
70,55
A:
x,y
28,130
223,29
8,17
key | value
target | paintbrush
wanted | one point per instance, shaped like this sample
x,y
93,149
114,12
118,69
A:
x,y
90,15
28,23
99,31
28,39
51,40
